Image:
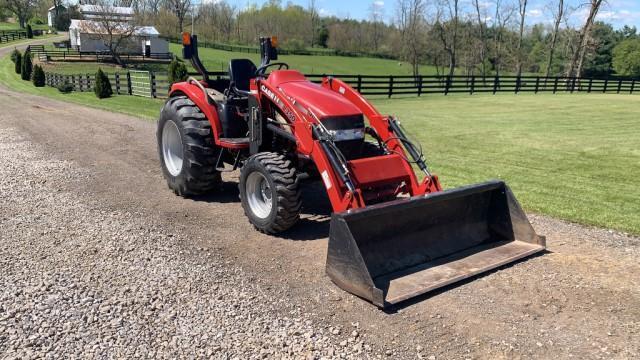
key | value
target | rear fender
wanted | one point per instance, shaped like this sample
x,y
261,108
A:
x,y
196,95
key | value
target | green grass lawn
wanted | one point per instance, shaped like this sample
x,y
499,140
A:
x,y
218,60
575,157
14,26
132,105
571,156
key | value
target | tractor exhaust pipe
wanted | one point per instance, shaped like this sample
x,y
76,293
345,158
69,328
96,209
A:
x,y
391,252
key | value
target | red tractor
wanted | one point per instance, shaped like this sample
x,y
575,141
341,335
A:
x,y
393,236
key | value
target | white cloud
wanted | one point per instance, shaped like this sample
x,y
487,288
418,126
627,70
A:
x,y
535,13
325,12
378,3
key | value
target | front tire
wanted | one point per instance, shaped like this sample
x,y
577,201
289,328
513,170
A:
x,y
186,148
270,193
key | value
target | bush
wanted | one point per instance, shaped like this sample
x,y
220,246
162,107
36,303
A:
x,y
14,54
65,88
27,67
177,71
38,76
29,32
18,63
102,86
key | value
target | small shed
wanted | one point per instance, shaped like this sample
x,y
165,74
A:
x,y
86,35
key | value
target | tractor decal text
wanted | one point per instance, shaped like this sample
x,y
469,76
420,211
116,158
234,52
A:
x,y
278,102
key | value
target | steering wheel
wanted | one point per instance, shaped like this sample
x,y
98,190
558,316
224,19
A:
x,y
280,65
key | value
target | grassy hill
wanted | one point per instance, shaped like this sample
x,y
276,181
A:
x,y
218,60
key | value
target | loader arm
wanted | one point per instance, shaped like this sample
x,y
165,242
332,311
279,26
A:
x,y
385,129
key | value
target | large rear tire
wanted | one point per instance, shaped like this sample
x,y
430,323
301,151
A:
x,y
270,193
186,148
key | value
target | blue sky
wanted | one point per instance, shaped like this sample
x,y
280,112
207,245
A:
x,y
617,12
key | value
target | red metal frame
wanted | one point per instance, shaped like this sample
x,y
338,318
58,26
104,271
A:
x,y
366,173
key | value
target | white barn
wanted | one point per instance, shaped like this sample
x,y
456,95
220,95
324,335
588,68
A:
x,y
84,35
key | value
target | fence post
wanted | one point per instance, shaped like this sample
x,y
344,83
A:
x,y
537,84
573,84
606,82
359,83
590,85
129,83
633,84
473,84
118,83
152,80
619,85
555,85
518,79
89,85
496,79
390,85
447,83
419,85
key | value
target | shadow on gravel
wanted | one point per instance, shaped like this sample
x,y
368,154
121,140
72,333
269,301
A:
x,y
314,219
395,308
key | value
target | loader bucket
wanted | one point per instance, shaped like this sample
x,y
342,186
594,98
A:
x,y
391,252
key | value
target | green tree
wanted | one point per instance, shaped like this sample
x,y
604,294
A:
x,y
38,76
102,86
18,63
626,57
598,60
27,66
29,32
177,71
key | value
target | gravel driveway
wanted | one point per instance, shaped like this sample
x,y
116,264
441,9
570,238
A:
x,y
99,259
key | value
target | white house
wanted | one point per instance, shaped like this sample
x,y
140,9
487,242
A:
x,y
51,14
85,35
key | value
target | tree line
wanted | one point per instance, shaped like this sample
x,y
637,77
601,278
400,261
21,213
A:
x,y
480,37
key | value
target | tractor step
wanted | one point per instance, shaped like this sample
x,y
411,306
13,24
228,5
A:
x,y
234,143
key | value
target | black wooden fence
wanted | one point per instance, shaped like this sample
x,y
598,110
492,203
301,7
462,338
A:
x,y
12,35
388,86
157,84
98,56
391,85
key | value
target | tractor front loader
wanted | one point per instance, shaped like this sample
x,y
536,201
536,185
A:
x,y
392,236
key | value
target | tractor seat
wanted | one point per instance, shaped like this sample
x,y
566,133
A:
x,y
241,71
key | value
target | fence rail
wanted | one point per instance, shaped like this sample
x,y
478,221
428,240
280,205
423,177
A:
x,y
390,85
12,35
158,85
98,56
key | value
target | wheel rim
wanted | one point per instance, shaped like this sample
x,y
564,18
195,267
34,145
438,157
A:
x,y
172,148
259,195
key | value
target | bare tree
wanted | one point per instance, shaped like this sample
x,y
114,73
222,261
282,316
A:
x,y
410,19
503,14
577,60
447,21
314,17
180,8
111,29
522,11
482,25
377,25
559,12
22,9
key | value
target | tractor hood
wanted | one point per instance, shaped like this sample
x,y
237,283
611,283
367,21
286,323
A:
x,y
323,102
